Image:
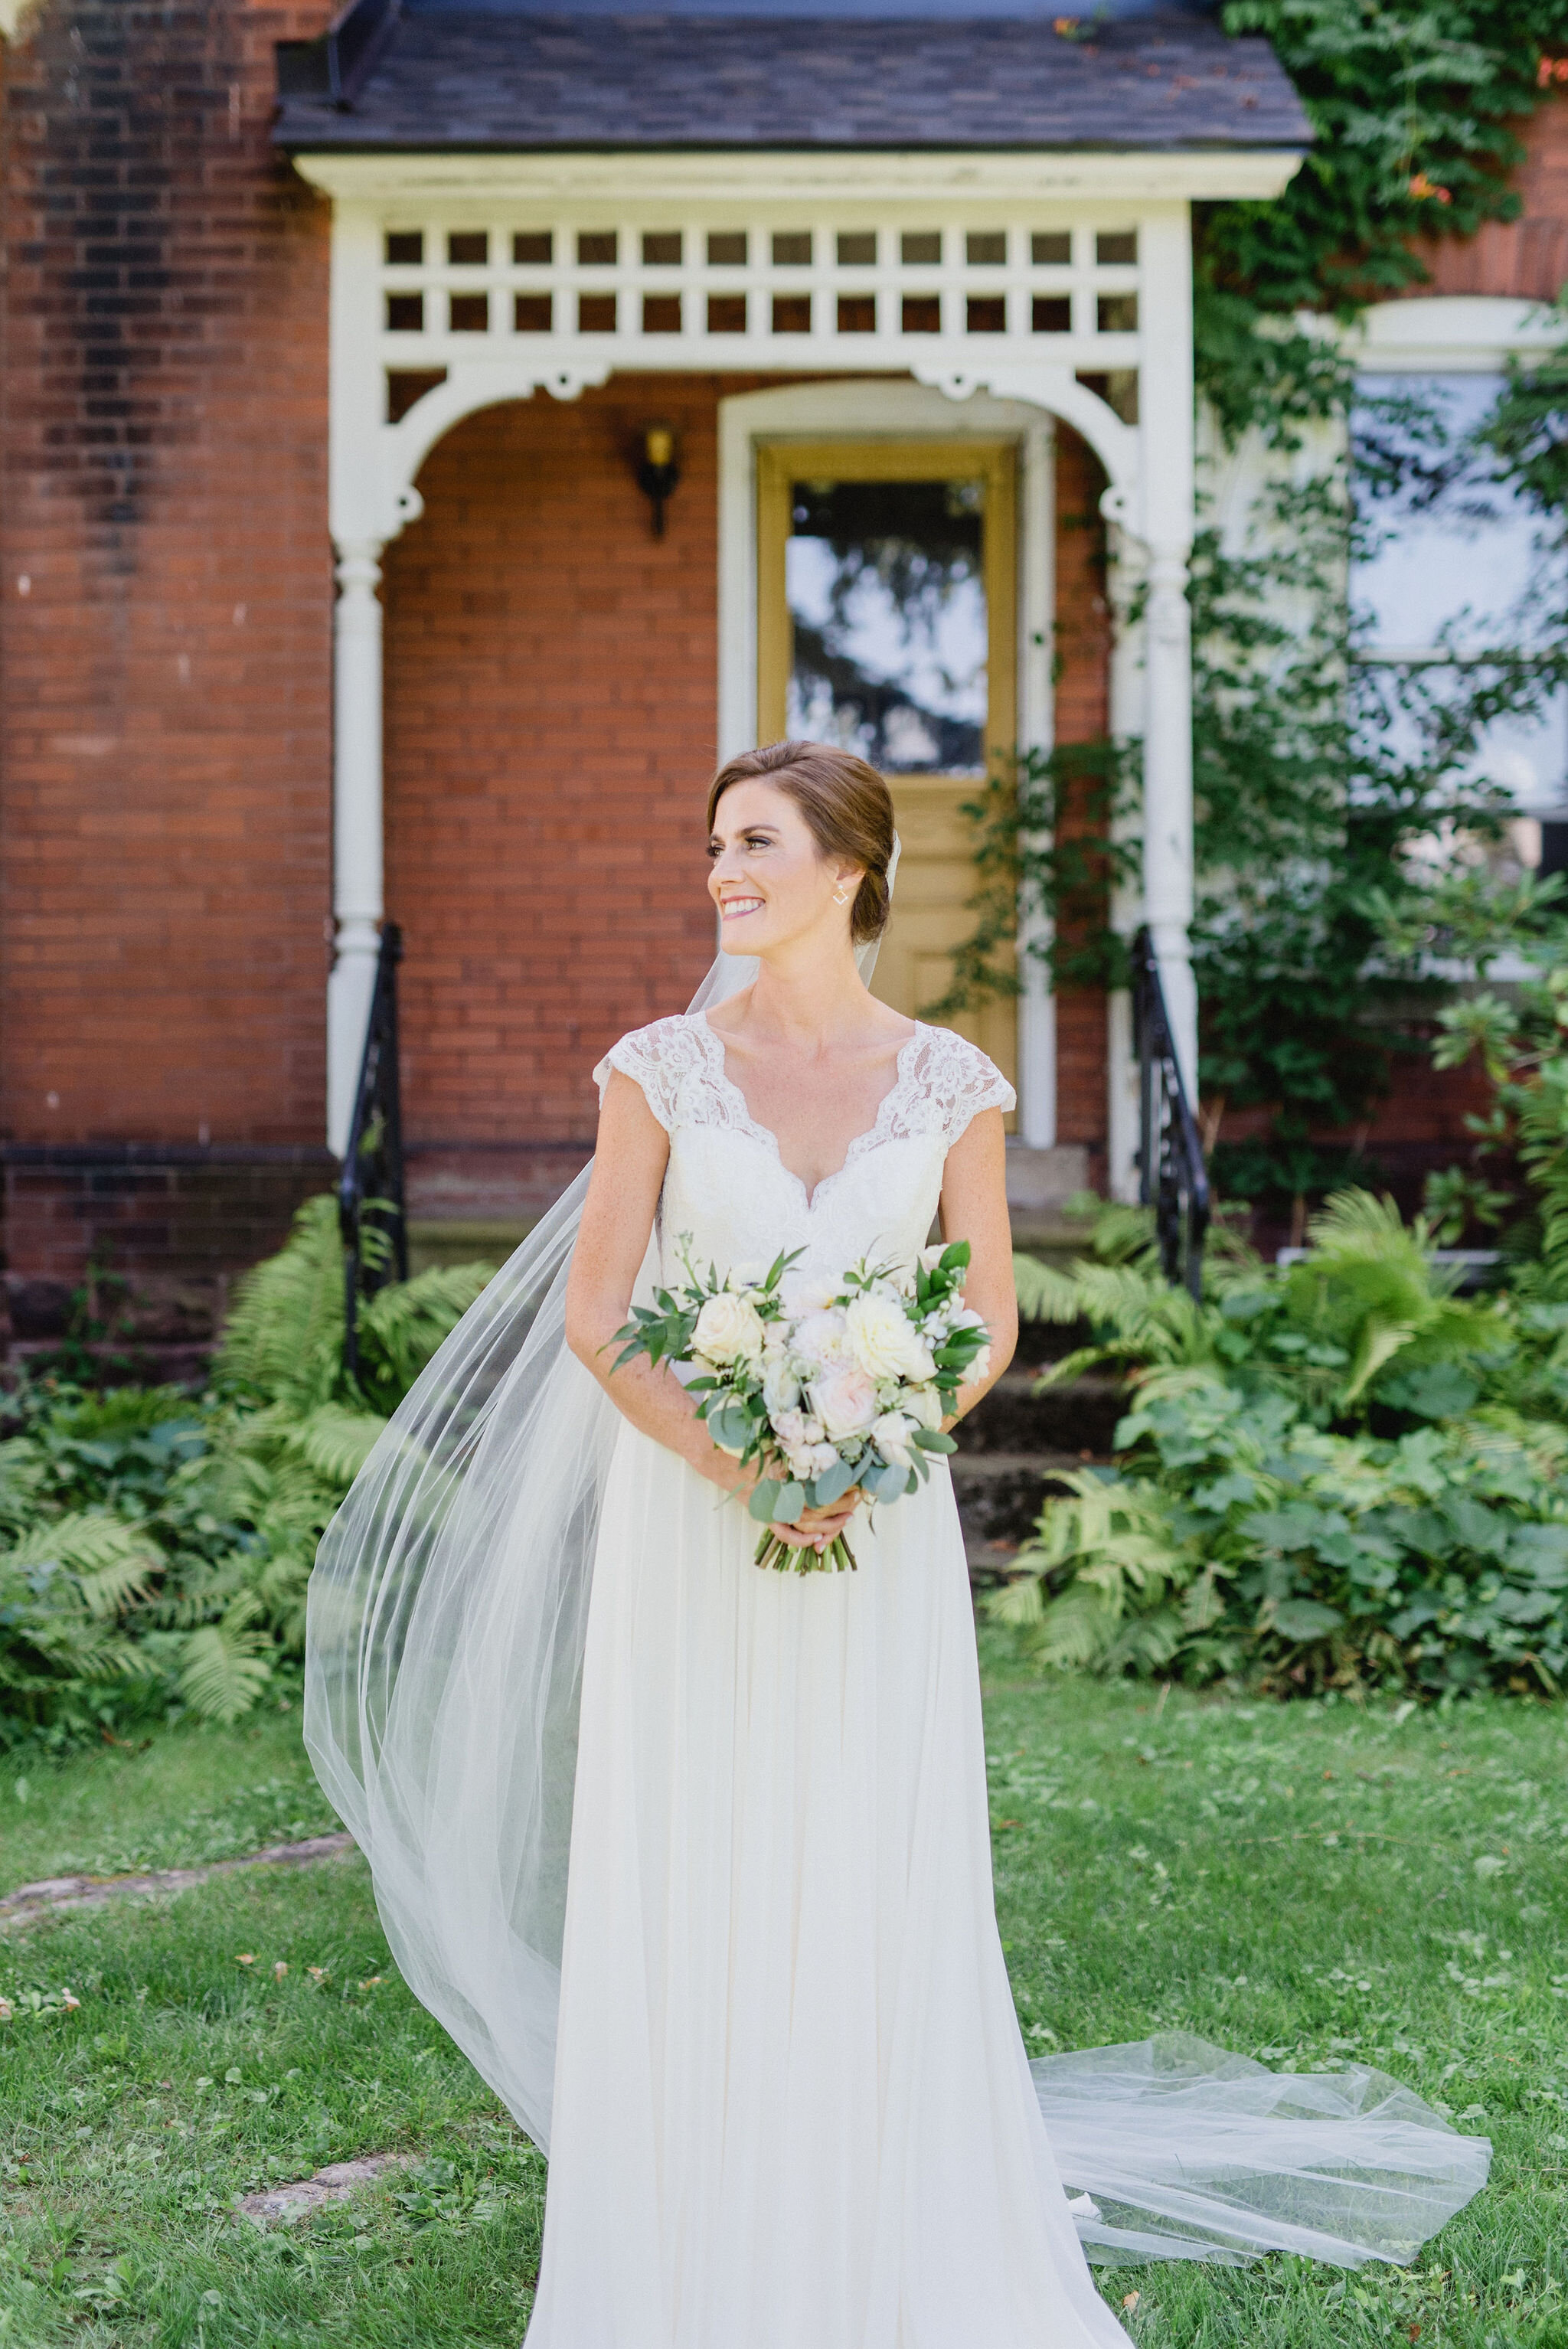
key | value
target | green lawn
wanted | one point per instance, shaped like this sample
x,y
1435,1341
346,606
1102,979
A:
x,y
1300,1883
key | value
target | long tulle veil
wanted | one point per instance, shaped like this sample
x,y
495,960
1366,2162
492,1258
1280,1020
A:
x,y
444,1648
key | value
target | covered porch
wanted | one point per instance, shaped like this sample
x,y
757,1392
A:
x,y
999,318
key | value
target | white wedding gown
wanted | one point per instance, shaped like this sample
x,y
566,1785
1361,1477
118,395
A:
x,y
692,1857
792,2105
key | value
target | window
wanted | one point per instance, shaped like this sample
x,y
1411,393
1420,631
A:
x,y
1451,563
662,248
533,246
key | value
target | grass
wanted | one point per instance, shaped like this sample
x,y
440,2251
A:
x,y
194,1792
1161,1863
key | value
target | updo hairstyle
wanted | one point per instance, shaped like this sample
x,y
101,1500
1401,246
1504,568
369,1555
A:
x,y
847,807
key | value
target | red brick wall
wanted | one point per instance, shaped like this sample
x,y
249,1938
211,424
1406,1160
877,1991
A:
x,y
166,590
1082,715
551,728
1528,256
165,604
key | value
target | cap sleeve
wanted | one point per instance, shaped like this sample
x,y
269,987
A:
x,y
973,1084
654,1059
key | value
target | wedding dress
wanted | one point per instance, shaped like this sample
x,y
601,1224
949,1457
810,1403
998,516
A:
x,y
792,2104
692,1857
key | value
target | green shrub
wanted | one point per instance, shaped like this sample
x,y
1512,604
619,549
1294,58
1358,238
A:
x,y
1335,1474
155,1546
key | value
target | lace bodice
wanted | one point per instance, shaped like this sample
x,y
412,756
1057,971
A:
x,y
727,1187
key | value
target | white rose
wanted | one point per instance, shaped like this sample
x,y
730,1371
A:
x,y
727,1331
967,1318
844,1400
822,1337
807,1292
890,1434
924,1405
930,1257
885,1345
780,1387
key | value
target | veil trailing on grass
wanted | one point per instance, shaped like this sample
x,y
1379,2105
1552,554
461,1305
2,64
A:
x,y
448,1613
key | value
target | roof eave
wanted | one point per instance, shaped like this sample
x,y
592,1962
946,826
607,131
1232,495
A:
x,y
370,169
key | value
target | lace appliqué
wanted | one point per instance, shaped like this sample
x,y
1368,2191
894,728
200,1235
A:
x,y
673,1062
942,1083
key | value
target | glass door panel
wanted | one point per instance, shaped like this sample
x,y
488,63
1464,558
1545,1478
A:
x,y
886,604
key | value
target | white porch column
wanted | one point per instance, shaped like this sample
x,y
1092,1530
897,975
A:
x,y
1037,727
1165,525
355,825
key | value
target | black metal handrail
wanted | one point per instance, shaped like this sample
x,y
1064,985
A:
x,y
370,1210
1172,1178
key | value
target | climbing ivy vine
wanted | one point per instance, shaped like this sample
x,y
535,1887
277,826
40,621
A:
x,y
1314,776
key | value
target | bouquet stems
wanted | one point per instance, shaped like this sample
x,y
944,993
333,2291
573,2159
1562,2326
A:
x,y
837,1558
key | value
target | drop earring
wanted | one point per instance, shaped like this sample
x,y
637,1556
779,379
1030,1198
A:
x,y
840,897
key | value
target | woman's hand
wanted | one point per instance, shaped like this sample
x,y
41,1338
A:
x,y
815,1530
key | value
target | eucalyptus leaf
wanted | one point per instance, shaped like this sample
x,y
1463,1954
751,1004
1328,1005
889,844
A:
x,y
790,1505
831,1484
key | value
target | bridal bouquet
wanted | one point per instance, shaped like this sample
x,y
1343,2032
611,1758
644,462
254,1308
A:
x,y
825,1384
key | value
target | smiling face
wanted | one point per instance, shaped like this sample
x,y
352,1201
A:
x,y
769,880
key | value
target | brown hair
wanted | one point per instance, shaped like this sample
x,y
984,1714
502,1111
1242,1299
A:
x,y
848,810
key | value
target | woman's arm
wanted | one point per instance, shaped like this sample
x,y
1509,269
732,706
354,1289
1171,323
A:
x,y
629,1165
975,1209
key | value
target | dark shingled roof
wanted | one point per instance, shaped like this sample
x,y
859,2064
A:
x,y
482,79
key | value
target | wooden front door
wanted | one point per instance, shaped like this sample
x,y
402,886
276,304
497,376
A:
x,y
887,618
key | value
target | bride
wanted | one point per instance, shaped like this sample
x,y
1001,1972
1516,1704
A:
x,y
693,1858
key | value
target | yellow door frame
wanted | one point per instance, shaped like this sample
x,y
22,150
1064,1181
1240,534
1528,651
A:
x,y
993,462
931,914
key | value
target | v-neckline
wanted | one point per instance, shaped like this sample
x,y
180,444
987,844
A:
x,y
765,1134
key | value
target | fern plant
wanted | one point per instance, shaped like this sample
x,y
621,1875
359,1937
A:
x,y
1368,1301
156,1545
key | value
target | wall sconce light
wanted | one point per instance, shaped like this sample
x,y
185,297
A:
x,y
658,474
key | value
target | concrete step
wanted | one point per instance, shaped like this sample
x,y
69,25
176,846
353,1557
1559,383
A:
x,y
1001,1494
1078,1418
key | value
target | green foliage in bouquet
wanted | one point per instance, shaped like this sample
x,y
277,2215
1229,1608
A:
x,y
156,1545
1334,1474
736,1334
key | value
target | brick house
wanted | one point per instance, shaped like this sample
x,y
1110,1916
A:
x,y
331,591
